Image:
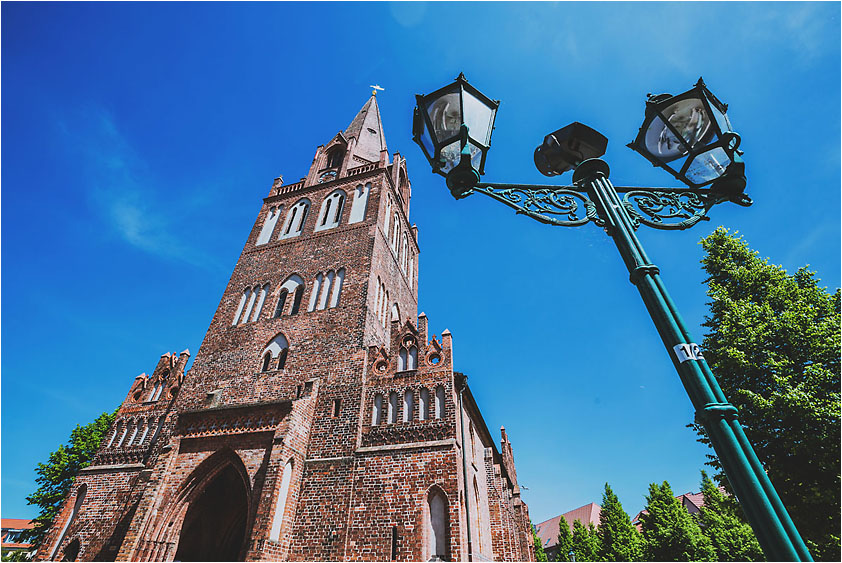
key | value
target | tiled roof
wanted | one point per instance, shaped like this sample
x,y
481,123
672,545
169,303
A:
x,y
548,530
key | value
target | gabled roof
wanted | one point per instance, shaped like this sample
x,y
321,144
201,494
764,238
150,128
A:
x,y
367,129
548,530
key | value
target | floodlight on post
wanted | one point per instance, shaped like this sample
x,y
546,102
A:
x,y
688,135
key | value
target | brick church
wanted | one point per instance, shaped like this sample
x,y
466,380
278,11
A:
x,y
320,420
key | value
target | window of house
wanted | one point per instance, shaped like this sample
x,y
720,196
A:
x,y
404,250
337,404
334,157
295,219
323,295
260,300
243,300
402,359
117,431
314,295
133,434
436,525
412,358
331,211
336,290
387,215
292,285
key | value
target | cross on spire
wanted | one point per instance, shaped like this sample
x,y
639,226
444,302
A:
x,y
376,88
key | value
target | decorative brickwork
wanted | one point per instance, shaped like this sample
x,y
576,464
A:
x,y
319,421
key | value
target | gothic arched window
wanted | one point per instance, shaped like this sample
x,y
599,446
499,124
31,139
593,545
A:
x,y
358,206
275,350
393,407
295,219
334,157
408,404
436,525
387,215
377,410
268,226
331,211
439,402
424,404
280,507
292,285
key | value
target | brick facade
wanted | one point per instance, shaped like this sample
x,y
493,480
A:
x,y
319,420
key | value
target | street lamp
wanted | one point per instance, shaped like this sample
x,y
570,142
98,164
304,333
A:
x,y
688,135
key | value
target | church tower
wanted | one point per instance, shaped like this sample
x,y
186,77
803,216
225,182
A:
x,y
319,420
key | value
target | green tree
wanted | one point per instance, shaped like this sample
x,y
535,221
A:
x,y
774,347
565,540
585,542
618,539
57,475
669,532
536,541
722,521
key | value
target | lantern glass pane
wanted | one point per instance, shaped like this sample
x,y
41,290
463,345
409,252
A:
x,y
478,117
445,116
426,141
721,119
451,155
708,166
692,122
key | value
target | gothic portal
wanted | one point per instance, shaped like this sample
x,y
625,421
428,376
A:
x,y
319,420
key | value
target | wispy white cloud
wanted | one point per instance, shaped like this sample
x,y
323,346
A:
x,y
122,189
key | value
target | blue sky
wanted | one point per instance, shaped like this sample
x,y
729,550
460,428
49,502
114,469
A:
x,y
139,139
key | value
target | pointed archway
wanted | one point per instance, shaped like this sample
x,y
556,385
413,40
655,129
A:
x,y
214,527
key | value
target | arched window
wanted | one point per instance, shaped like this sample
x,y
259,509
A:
x,y
314,296
408,404
146,425
123,435
292,285
424,404
71,552
412,358
385,305
402,360
243,299
268,226
117,430
377,410
250,305
359,204
439,402
276,349
477,525
334,157
260,300
396,229
325,292
387,215
331,211
393,407
411,273
295,219
280,507
396,313
77,504
404,250
337,287
378,295
436,526
136,426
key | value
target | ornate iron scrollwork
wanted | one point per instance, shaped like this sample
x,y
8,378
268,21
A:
x,y
669,209
554,206
569,206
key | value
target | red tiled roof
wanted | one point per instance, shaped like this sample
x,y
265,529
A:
x,y
548,530
16,523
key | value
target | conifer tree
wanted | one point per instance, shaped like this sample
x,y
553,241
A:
x,y
565,540
618,539
585,542
722,521
540,555
669,532
774,347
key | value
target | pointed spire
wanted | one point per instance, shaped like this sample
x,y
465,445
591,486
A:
x,y
367,129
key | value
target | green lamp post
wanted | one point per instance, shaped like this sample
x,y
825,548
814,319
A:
x,y
690,136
